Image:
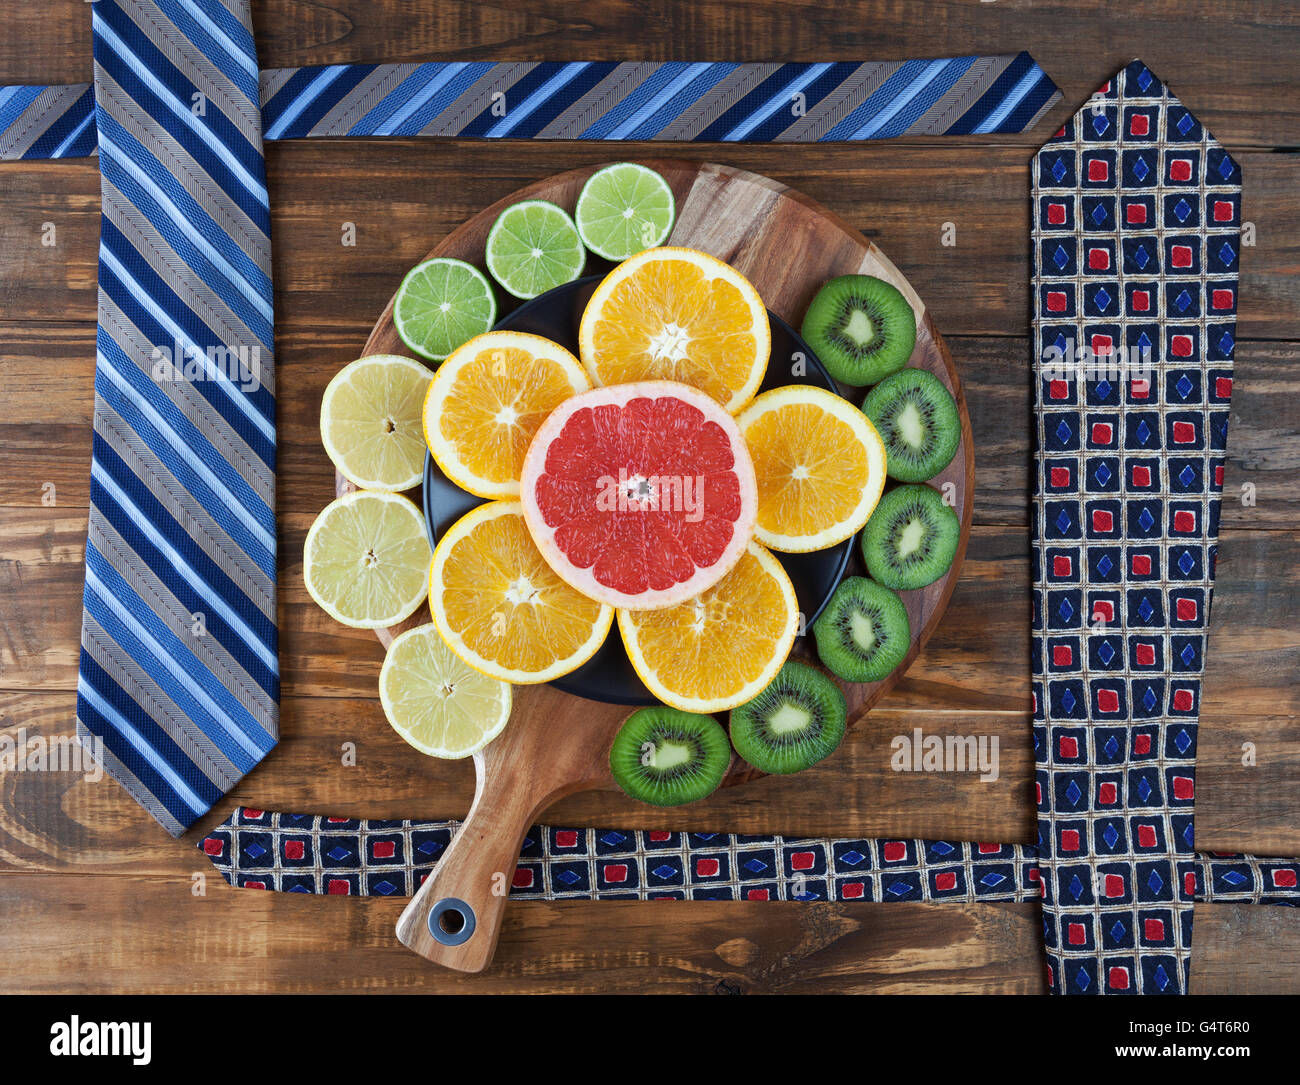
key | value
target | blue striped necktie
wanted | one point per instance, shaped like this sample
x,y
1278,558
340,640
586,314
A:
x,y
179,677
675,101
179,684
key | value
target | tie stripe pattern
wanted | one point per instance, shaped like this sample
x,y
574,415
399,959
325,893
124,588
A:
x,y
179,674
677,100
306,853
1137,215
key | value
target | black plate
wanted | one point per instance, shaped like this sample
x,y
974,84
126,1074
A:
x,y
608,675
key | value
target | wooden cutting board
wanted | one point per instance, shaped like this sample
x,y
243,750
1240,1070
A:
x,y
557,744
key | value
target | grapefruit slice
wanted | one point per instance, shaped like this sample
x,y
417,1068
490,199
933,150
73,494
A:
x,y
640,495
721,648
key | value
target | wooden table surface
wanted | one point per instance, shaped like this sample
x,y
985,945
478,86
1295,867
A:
x,y
96,897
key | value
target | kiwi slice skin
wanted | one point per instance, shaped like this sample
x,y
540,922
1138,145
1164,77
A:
x,y
861,328
667,757
795,722
864,632
911,538
917,419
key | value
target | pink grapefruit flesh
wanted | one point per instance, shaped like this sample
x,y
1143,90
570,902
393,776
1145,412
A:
x,y
640,495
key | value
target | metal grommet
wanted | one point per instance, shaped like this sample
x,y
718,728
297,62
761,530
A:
x,y
451,922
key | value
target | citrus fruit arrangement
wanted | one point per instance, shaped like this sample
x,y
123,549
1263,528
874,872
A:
x,y
643,483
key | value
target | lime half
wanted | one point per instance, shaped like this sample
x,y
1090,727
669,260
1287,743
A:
x,y
623,209
441,304
439,704
371,421
366,560
534,247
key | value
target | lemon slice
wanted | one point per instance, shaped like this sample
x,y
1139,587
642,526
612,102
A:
x,y
366,559
488,400
501,608
721,648
680,315
820,466
370,421
435,701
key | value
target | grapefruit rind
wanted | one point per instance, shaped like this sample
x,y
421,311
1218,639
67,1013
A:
x,y
661,684
862,430
461,530
605,371
447,454
579,578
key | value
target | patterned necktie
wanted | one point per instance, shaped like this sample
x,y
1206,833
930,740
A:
x,y
179,674
1137,211
675,100
335,856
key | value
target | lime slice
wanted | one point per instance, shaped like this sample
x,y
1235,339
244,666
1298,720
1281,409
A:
x,y
623,209
366,560
439,704
371,421
534,247
441,304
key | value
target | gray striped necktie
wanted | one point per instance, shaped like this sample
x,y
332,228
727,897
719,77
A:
x,y
179,684
677,101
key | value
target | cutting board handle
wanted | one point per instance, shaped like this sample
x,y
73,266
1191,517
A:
x,y
455,918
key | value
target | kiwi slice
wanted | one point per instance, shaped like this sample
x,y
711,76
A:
x,y
917,419
795,722
863,633
861,328
911,538
667,757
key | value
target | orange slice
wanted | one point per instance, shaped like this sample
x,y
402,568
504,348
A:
x,y
486,402
499,606
679,315
722,647
820,466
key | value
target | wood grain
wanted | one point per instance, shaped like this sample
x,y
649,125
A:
x,y
1240,63
51,362
241,940
401,195
78,856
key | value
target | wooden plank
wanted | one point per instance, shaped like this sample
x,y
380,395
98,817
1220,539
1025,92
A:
x,y
1240,63
976,660
66,821
62,820
402,196
44,432
249,942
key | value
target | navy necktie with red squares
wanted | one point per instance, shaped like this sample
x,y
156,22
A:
x,y
1137,214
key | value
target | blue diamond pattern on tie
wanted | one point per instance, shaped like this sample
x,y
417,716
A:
x,y
1146,309
179,676
304,853
678,101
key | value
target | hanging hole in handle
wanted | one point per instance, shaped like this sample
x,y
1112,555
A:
x,y
451,922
